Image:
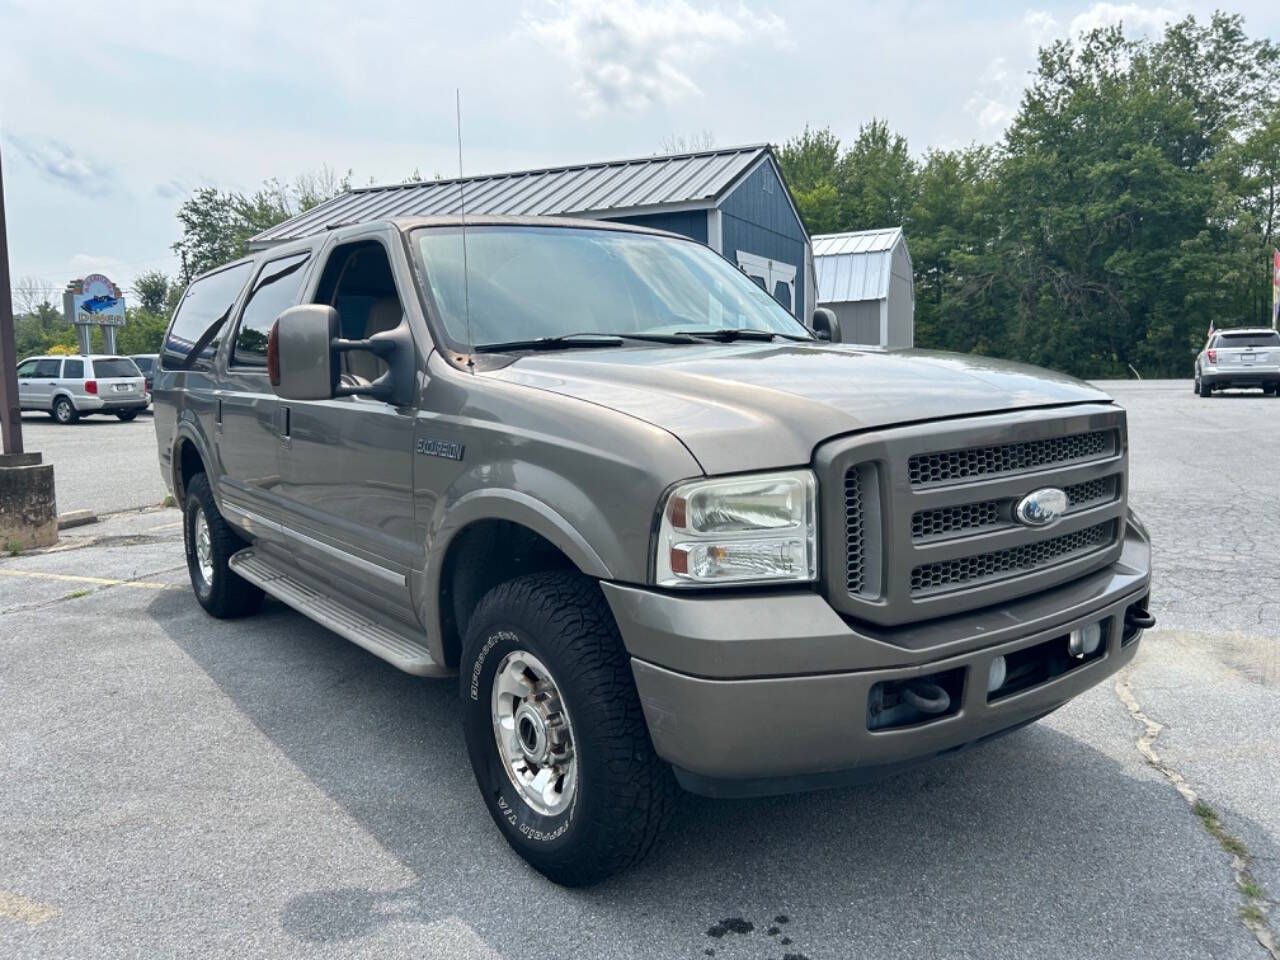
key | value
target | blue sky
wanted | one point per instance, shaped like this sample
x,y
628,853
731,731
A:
x,y
111,114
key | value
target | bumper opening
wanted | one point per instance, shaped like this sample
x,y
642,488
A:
x,y
914,701
1032,666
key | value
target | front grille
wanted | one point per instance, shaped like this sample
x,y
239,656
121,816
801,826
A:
x,y
968,518
963,518
950,466
963,571
855,533
919,520
1090,492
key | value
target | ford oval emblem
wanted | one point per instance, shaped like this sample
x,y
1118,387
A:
x,y
1039,508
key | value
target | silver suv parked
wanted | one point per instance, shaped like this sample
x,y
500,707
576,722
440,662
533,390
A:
x,y
69,388
1239,358
659,531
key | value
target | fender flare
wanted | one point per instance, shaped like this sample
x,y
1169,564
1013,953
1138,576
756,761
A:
x,y
495,503
186,431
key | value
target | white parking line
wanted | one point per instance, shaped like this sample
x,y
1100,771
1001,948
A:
x,y
98,581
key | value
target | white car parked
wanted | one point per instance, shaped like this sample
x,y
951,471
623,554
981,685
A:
x,y
68,388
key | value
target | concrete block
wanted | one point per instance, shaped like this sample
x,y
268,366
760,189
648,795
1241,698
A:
x,y
76,518
28,506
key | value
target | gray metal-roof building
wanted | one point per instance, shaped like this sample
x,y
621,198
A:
x,y
733,200
866,278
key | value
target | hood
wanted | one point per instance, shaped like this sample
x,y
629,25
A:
x,y
752,406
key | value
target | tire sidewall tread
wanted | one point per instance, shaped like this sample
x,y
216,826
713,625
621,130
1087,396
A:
x,y
625,792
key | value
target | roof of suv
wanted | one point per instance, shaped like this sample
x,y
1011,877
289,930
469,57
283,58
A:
x,y
78,356
1244,331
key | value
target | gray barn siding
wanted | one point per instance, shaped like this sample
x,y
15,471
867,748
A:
x,y
762,222
859,321
690,223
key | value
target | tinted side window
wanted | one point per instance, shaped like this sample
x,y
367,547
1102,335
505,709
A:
x,y
276,289
72,369
197,327
144,363
48,368
27,370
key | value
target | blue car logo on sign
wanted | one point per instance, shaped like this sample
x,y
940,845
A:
x,y
1039,508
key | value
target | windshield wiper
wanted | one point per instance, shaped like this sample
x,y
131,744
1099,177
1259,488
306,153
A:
x,y
730,334
584,339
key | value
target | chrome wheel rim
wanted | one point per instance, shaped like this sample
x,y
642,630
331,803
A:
x,y
204,547
534,734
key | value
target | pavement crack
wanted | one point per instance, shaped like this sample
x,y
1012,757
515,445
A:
x,y
1255,908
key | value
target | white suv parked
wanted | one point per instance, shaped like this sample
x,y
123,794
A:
x,y
68,388
1239,358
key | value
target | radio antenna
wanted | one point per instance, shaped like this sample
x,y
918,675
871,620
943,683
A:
x,y
462,198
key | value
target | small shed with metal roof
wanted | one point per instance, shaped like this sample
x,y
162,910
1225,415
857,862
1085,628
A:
x,y
866,278
734,200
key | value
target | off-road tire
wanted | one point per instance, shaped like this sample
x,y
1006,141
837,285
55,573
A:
x,y
64,411
127,415
226,594
625,793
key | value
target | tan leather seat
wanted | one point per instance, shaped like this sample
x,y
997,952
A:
x,y
385,314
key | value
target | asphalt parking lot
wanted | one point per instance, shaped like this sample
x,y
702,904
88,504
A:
x,y
101,463
171,785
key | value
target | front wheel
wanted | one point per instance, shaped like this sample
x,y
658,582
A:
x,y
210,543
555,731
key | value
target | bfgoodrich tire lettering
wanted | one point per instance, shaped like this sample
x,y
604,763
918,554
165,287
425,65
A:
x,y
210,543
624,793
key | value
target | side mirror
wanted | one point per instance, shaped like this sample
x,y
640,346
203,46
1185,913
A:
x,y
826,325
302,358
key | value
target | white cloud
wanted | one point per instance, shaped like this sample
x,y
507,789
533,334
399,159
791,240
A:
x,y
60,163
1137,19
628,54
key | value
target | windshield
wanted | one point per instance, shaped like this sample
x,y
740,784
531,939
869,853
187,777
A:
x,y
526,283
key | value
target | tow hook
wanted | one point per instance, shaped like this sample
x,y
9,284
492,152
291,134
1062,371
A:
x,y
1138,618
925,696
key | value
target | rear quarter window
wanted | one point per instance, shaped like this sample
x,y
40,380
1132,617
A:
x,y
115,367
201,318
72,369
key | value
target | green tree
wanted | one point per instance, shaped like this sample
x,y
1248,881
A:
x,y
810,164
877,179
152,290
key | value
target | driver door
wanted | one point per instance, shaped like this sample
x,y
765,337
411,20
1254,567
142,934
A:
x,y
346,464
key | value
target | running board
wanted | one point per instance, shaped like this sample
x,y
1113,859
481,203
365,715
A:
x,y
287,586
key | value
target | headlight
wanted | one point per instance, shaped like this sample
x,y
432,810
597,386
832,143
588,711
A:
x,y
752,529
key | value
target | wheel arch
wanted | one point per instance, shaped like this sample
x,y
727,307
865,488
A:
x,y
514,534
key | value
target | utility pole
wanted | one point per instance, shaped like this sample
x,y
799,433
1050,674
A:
x,y
10,412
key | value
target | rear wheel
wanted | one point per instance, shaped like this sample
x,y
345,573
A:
x,y
555,731
127,415
64,411
210,543
1203,388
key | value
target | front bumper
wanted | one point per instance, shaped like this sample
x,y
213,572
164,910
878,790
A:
x,y
768,693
